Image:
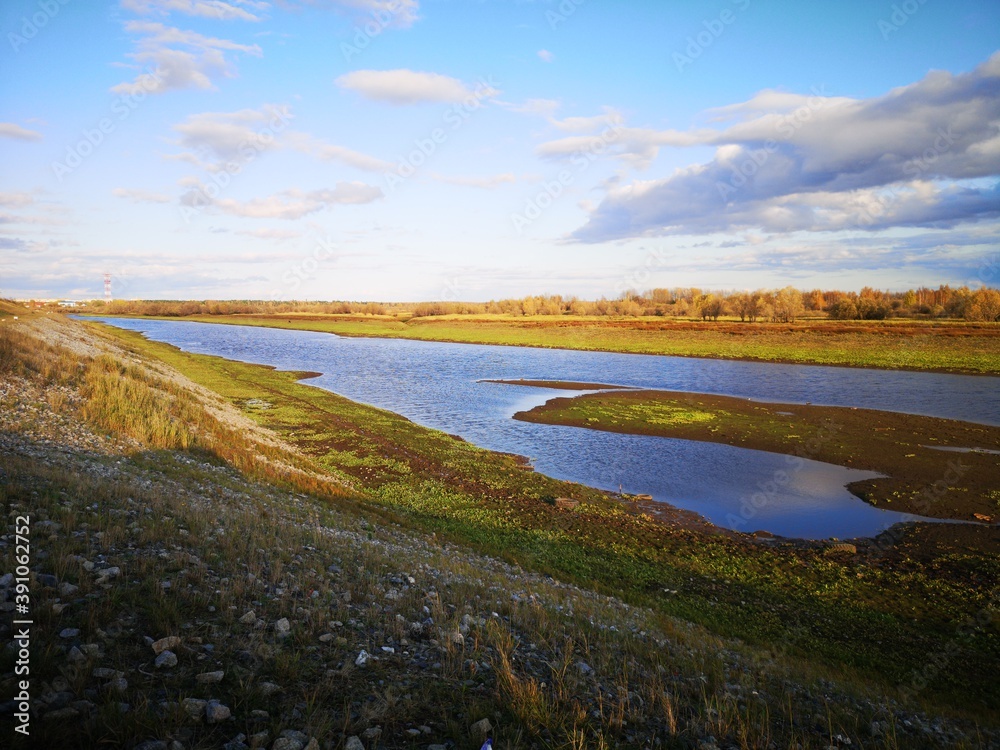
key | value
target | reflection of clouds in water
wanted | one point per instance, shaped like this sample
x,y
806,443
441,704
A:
x,y
435,384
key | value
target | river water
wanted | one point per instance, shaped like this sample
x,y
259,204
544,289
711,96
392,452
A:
x,y
438,385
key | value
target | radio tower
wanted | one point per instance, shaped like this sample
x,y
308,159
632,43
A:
x,y
107,287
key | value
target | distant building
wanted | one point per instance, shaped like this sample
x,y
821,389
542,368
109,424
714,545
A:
x,y
67,303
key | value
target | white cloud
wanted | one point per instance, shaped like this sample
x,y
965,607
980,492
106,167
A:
x,y
288,204
916,156
140,196
216,9
546,56
16,199
409,86
215,139
328,152
10,130
233,135
201,60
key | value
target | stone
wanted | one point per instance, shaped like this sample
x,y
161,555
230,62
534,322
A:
x,y
249,618
67,589
209,678
108,574
216,712
194,707
354,743
165,660
152,745
295,734
268,688
118,684
105,673
282,627
47,579
286,743
313,744
259,739
69,632
481,728
362,658
372,733
166,644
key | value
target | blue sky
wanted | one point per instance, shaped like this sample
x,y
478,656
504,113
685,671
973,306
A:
x,y
438,149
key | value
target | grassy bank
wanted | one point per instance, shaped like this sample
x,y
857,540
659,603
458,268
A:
x,y
906,345
921,477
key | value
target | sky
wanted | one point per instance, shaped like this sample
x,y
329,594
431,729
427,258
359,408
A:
x,y
404,150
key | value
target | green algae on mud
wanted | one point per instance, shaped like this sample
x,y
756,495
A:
x,y
972,349
877,613
920,478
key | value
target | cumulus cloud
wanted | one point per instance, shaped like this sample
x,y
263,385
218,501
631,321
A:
x,y
222,11
227,136
546,56
10,130
219,140
404,86
916,156
140,196
288,204
177,59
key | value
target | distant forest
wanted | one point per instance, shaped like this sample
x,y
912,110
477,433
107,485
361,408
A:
x,y
776,305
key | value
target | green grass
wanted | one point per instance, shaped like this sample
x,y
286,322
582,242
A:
x,y
880,615
951,347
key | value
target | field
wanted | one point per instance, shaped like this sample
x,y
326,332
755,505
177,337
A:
x,y
895,344
212,469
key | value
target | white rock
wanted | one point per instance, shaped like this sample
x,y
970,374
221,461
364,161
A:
x,y
362,659
165,660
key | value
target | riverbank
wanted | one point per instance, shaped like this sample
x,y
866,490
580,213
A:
x,y
284,490
927,471
900,345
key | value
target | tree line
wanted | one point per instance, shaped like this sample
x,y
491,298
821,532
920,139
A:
x,y
774,305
